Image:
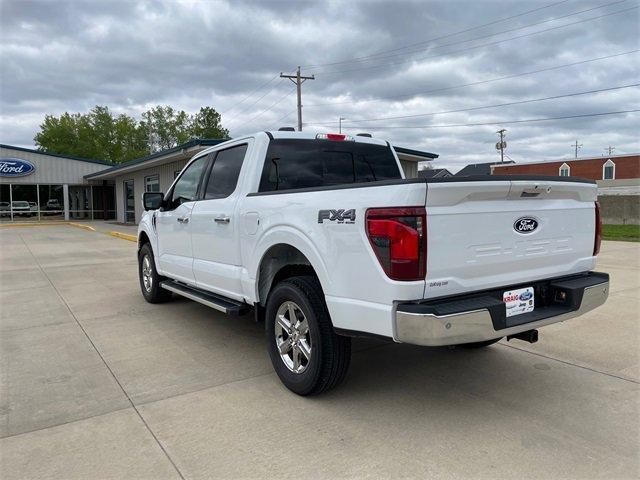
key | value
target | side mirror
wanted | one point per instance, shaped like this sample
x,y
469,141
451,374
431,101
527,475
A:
x,y
152,200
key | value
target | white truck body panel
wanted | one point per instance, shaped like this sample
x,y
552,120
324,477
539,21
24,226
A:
x,y
471,242
473,245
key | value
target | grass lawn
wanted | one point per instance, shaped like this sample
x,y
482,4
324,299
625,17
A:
x,y
627,233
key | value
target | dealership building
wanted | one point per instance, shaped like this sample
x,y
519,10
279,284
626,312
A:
x,y
38,186
43,186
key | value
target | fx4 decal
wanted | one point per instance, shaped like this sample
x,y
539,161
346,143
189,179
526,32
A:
x,y
340,216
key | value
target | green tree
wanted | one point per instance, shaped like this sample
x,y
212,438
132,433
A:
x,y
166,127
101,135
207,123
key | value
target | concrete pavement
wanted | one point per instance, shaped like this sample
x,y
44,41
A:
x,y
96,383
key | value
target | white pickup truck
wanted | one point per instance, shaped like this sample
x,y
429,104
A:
x,y
323,237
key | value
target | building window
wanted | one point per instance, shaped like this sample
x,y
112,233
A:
x,y
609,170
80,203
129,202
565,170
152,183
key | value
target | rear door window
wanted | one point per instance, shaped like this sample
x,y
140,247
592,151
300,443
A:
x,y
223,178
294,164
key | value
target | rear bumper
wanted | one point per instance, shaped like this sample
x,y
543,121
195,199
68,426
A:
x,y
482,316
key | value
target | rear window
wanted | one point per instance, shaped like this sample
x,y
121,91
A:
x,y
293,164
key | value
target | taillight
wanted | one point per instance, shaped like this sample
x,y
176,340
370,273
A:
x,y
598,237
399,239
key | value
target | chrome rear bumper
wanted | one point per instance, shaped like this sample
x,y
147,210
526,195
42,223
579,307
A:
x,y
476,325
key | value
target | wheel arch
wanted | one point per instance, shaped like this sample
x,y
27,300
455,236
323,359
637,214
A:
x,y
281,261
142,239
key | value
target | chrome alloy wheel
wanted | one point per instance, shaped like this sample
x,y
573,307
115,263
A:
x,y
147,273
293,338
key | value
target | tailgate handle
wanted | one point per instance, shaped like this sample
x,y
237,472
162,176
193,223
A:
x,y
535,190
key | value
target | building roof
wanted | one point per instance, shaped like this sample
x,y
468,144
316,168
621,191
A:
x,y
415,153
157,157
50,154
571,160
434,173
479,169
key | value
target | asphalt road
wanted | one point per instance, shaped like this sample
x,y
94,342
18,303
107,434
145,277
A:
x,y
96,383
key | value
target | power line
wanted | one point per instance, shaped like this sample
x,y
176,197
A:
x,y
480,82
250,94
475,47
247,108
276,124
356,59
248,122
506,104
498,122
501,32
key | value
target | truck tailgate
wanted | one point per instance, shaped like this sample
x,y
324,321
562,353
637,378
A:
x,y
492,233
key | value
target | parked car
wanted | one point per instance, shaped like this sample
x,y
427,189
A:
x,y
21,208
33,207
323,237
53,206
5,209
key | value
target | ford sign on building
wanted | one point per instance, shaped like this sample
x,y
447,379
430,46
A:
x,y
41,186
15,167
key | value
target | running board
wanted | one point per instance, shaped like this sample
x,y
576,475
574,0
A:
x,y
218,302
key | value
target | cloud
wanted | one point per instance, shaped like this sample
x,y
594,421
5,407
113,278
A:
x,y
69,56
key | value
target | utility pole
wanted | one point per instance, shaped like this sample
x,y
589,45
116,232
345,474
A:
x,y
609,149
298,80
340,124
501,145
577,147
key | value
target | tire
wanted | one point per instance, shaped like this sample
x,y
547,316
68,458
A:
x,y
486,343
151,290
326,365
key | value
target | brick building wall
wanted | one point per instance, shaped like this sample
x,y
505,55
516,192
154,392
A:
x,y
626,167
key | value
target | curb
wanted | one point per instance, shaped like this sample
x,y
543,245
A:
x,y
124,236
80,225
34,224
48,224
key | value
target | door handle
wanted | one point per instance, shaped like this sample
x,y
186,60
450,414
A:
x,y
222,219
183,220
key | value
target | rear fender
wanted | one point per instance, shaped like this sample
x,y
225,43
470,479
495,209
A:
x,y
298,240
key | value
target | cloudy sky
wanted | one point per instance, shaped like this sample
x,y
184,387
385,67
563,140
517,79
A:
x,y
371,60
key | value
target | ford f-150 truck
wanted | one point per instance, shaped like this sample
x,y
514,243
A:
x,y
323,237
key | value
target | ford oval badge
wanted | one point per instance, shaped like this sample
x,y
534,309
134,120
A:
x,y
15,167
525,225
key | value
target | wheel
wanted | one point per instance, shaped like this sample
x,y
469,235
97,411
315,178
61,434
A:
x,y
308,356
483,344
149,278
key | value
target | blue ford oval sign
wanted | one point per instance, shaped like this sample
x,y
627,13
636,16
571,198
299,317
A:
x,y
15,167
525,225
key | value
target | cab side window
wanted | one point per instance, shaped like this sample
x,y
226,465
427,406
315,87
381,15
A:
x,y
186,188
223,178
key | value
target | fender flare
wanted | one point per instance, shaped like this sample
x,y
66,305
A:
x,y
288,235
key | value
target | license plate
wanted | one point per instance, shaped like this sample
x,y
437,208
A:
x,y
518,301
